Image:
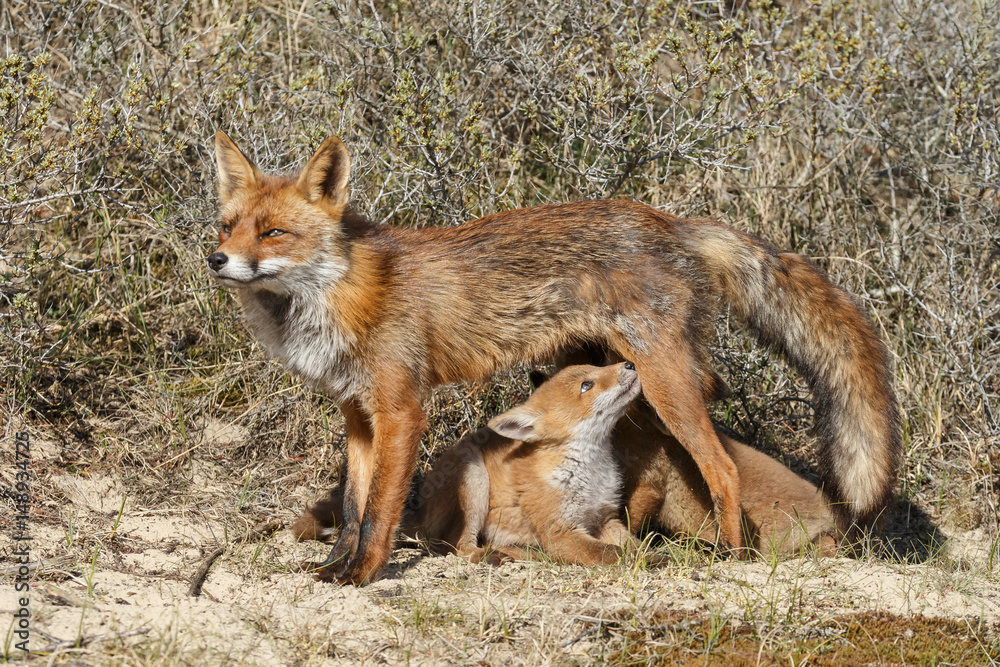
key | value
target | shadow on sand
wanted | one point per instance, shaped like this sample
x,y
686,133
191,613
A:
x,y
910,536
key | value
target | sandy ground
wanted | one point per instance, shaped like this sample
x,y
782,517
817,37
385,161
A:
x,y
120,580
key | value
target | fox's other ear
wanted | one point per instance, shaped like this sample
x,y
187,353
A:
x,y
715,388
537,379
517,424
235,170
327,173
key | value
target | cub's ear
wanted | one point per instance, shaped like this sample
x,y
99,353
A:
x,y
326,175
715,388
537,379
235,170
517,424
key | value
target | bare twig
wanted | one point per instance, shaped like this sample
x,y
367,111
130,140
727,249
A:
x,y
264,530
199,576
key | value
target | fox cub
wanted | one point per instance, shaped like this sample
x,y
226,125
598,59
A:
x,y
782,512
550,473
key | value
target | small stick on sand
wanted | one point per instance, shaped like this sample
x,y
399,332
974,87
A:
x,y
264,530
199,577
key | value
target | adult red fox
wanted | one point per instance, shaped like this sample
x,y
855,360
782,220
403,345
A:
x,y
372,315
551,473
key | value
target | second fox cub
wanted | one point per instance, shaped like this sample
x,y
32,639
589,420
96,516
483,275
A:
x,y
550,473
373,315
782,512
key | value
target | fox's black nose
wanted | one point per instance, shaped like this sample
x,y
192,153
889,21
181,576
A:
x,y
217,260
628,364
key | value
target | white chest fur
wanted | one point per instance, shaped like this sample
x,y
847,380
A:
x,y
589,480
302,333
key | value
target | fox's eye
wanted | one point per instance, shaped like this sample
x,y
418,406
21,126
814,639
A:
x,y
271,233
587,385
226,229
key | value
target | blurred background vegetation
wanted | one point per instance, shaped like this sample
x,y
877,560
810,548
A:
x,y
861,133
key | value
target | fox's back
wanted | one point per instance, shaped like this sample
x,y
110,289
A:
x,y
544,277
587,236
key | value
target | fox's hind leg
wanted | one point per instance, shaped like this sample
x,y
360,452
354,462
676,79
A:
x,y
670,382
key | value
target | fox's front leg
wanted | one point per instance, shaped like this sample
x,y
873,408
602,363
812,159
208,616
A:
x,y
576,546
473,499
614,532
360,465
397,425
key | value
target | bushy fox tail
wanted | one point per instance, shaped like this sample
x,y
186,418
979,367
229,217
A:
x,y
794,308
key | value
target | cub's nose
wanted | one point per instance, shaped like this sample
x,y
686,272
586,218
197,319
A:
x,y
628,364
217,260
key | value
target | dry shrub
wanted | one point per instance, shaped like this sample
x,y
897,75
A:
x,y
863,134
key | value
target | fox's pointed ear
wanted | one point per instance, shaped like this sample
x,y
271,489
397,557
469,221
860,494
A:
x,y
235,170
518,423
327,173
537,379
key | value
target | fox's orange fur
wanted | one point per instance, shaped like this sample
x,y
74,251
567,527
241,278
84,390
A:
x,y
372,315
493,493
542,475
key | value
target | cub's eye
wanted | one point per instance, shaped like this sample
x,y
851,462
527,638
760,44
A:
x,y
226,229
586,386
271,233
